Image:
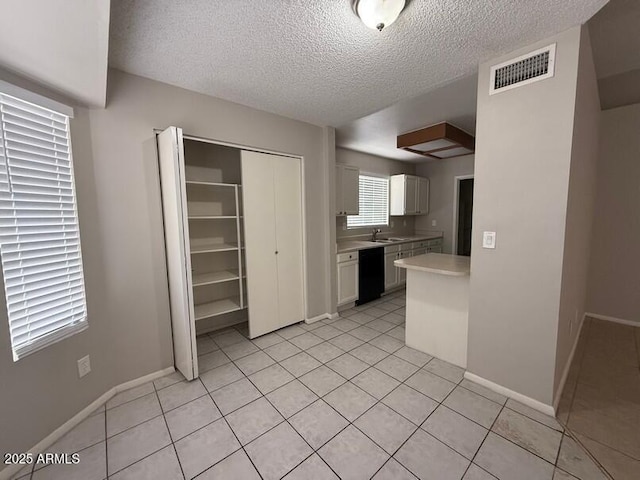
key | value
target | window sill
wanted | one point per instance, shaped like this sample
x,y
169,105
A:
x,y
50,339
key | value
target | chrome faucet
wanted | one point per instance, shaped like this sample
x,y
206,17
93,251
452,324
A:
x,y
374,235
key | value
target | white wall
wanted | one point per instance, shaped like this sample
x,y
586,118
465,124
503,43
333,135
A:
x,y
63,44
581,197
120,217
614,278
441,174
377,166
522,162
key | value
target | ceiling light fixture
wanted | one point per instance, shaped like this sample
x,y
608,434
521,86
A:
x,y
378,14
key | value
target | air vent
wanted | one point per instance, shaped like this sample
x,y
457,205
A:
x,y
517,72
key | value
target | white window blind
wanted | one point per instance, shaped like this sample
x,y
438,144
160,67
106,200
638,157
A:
x,y
374,203
39,236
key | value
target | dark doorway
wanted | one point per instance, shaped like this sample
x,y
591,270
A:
x,y
465,214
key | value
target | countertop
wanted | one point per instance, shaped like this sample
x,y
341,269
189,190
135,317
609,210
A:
x,y
353,245
440,263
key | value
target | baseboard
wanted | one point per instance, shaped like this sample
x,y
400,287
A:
x,y
345,306
623,321
528,401
567,367
322,316
83,414
142,380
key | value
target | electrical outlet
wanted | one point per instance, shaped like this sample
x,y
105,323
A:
x,y
391,224
434,223
488,239
84,366
404,223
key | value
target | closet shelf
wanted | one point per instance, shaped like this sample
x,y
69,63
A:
x,y
214,247
219,307
210,278
212,184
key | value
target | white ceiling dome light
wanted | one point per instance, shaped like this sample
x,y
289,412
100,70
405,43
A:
x,y
378,14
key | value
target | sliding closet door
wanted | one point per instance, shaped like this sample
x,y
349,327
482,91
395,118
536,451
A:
x,y
174,202
288,201
258,196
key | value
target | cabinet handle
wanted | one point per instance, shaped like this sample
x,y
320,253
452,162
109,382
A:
x,y
276,252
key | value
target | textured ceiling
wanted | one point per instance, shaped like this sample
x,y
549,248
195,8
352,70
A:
x,y
314,60
615,37
376,133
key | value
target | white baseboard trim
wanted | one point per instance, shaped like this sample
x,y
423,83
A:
x,y
66,427
528,401
623,321
322,316
567,367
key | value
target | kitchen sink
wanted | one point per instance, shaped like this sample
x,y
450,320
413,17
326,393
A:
x,y
383,240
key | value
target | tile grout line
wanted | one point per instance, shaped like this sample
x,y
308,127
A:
x,y
166,423
242,447
106,441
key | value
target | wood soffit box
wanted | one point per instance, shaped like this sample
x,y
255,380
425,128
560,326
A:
x,y
439,141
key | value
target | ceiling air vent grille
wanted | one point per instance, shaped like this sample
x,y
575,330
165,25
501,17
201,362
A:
x,y
529,68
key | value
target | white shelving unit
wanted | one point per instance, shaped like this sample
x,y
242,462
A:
x,y
214,211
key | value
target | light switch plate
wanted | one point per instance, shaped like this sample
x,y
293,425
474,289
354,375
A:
x,y
84,366
488,239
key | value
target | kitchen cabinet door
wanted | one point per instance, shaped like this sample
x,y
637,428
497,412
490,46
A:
x,y
351,190
402,272
422,196
339,196
347,282
390,271
411,195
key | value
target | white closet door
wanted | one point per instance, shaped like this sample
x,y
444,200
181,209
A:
x,y
174,202
288,201
258,196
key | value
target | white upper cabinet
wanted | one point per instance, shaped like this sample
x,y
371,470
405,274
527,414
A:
x,y
409,195
422,196
347,190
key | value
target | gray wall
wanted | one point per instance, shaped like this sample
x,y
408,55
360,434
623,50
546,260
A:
x,y
522,160
123,248
441,174
581,197
614,278
379,166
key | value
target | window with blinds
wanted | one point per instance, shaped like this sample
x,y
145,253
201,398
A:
x,y
39,236
374,203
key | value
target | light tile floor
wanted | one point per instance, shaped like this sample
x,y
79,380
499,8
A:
x,y
334,399
601,400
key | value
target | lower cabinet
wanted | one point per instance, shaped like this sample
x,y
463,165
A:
x,y
390,270
434,245
402,272
347,277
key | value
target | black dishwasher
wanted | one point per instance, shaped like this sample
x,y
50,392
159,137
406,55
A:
x,y
370,274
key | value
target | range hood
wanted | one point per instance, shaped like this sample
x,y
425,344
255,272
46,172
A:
x,y
439,141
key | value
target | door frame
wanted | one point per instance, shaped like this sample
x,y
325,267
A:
x,y
302,193
456,193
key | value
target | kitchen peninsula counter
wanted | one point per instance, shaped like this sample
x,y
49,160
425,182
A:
x,y
438,305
